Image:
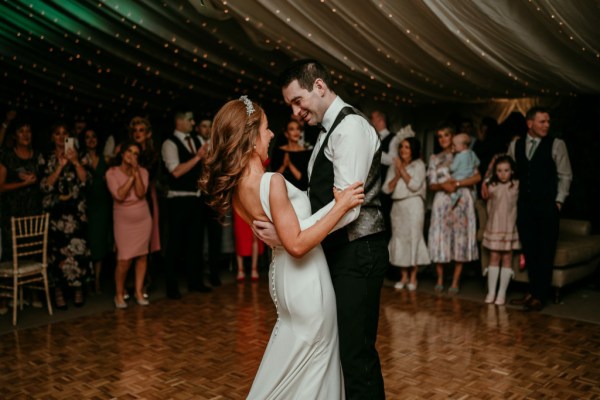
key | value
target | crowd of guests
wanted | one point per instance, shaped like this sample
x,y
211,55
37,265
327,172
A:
x,y
127,194
524,179
104,198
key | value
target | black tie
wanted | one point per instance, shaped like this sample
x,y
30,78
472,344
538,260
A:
x,y
190,143
321,128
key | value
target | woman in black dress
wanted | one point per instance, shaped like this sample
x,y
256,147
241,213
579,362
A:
x,y
291,159
99,203
19,182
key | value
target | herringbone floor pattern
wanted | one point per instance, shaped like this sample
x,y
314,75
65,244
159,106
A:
x,y
209,347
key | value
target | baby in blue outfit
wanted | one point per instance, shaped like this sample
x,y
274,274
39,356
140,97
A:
x,y
464,164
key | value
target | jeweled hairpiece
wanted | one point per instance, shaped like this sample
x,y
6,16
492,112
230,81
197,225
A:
x,y
248,104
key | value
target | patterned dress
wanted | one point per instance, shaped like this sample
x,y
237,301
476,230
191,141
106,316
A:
x,y
453,230
68,252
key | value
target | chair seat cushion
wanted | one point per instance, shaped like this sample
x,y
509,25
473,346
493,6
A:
x,y
574,249
26,267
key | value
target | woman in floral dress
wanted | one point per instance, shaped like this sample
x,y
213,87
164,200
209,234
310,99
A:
x,y
63,180
452,232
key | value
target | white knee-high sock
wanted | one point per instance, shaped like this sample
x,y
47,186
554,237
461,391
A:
x,y
492,274
506,274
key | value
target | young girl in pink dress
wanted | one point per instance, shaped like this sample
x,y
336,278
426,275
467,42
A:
x,y
500,235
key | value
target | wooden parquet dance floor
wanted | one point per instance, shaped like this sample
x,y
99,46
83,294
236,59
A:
x,y
208,346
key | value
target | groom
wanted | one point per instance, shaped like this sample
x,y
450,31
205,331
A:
x,y
348,150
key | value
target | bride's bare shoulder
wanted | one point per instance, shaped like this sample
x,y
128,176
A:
x,y
277,183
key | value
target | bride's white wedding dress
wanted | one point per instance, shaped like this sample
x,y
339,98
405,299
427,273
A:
x,y
302,358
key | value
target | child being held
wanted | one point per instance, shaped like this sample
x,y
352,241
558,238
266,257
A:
x,y
464,164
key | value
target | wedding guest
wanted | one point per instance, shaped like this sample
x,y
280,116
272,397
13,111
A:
x,y
452,231
389,151
98,204
181,154
500,235
140,131
63,182
291,159
19,181
246,245
405,182
464,161
545,178
128,183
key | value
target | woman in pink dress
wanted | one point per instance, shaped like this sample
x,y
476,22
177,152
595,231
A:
x,y
128,183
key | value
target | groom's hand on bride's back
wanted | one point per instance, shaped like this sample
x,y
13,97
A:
x,y
266,232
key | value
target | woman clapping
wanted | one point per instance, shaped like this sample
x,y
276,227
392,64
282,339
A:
x,y
128,183
405,182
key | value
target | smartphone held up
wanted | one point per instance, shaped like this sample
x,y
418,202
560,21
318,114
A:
x,y
70,144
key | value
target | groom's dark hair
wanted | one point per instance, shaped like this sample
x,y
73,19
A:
x,y
306,72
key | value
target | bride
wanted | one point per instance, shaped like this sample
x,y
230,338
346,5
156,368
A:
x,y
302,357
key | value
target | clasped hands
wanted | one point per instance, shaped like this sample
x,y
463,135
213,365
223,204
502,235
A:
x,y
27,177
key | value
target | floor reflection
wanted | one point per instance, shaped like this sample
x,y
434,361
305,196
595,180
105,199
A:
x,y
209,346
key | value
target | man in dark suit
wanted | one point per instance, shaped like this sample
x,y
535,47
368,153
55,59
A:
x,y
545,176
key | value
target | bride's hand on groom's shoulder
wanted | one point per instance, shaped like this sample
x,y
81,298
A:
x,y
352,196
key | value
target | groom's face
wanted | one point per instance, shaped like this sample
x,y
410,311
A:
x,y
308,106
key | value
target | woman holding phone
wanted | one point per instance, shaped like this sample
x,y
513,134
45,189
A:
x,y
63,179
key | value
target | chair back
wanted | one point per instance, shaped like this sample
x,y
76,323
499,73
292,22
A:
x,y
30,237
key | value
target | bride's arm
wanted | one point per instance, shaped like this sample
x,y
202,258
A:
x,y
298,242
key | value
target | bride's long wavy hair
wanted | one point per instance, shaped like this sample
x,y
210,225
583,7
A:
x,y
233,136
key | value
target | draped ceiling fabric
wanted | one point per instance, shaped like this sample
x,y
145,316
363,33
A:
x,y
115,55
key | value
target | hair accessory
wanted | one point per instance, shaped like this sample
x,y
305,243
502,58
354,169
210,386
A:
x,y
248,104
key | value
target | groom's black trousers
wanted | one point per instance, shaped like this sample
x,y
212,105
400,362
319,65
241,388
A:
x,y
357,271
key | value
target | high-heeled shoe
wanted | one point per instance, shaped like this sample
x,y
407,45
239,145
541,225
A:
x,y
118,305
241,277
254,277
